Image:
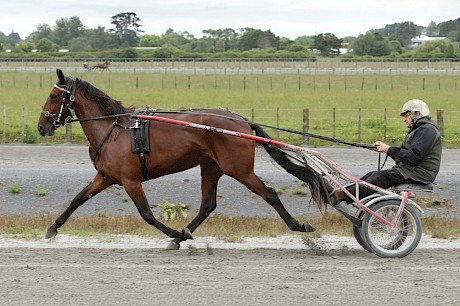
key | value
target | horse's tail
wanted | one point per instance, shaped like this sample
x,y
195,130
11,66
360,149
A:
x,y
303,172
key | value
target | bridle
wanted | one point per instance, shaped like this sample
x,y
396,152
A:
x,y
67,104
69,95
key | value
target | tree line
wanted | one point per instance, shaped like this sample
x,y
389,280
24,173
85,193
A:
x,y
126,34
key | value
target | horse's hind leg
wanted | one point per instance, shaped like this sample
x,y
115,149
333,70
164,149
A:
x,y
254,184
210,175
137,194
97,185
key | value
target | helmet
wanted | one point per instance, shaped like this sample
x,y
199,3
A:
x,y
415,105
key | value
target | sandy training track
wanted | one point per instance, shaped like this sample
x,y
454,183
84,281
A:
x,y
125,270
279,271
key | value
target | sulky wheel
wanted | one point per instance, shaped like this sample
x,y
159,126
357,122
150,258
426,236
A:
x,y
384,241
359,238
357,233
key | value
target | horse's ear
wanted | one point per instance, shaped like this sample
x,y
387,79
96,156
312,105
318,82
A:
x,y
60,76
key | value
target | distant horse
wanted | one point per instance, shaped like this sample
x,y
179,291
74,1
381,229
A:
x,y
105,123
102,66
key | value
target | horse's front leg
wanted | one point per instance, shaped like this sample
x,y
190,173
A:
x,y
210,175
136,193
98,184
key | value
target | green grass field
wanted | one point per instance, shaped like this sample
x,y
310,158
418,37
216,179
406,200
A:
x,y
359,103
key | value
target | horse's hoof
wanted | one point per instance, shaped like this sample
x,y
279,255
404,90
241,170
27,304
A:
x,y
187,234
51,233
308,227
173,246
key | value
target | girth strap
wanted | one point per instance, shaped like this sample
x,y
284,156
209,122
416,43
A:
x,y
144,171
98,149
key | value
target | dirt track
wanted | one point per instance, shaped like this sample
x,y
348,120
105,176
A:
x,y
86,276
141,273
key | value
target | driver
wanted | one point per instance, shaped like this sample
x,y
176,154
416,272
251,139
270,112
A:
x,y
418,158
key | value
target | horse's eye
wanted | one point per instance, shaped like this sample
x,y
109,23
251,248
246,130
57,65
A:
x,y
53,96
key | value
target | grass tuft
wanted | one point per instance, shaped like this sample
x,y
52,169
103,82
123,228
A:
x,y
231,229
15,188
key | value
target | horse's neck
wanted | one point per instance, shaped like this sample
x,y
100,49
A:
x,y
95,129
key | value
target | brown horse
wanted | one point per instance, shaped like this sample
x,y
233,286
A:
x,y
102,66
105,123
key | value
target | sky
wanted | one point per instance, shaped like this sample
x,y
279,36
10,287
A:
x,y
285,18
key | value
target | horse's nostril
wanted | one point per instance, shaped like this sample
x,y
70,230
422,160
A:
x,y
41,130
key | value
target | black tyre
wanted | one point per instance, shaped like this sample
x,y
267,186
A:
x,y
359,238
385,241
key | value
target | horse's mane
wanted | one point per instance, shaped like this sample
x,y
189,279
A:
x,y
107,105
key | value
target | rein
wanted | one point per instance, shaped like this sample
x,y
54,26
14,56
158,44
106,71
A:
x,y
354,144
335,140
69,91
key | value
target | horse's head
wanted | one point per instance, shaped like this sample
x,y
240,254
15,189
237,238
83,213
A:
x,y
58,105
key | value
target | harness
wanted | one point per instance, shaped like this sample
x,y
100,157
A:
x,y
69,94
140,138
139,129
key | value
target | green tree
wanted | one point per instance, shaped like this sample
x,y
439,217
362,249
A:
x,y
296,47
306,41
66,29
46,45
5,44
181,40
327,44
285,43
432,29
24,47
449,26
168,51
99,38
221,39
454,36
395,47
373,44
127,29
14,38
151,41
126,53
43,30
79,44
257,39
405,32
435,49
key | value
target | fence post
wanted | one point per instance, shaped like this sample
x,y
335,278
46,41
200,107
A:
x,y
359,125
440,121
68,133
23,125
385,125
306,125
278,122
333,123
4,124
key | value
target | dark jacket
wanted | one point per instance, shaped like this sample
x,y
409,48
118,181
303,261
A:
x,y
419,156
